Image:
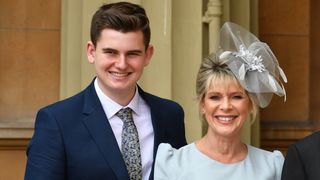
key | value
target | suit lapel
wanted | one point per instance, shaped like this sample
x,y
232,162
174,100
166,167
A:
x,y
158,127
159,130
98,126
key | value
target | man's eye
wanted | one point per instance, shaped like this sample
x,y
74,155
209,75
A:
x,y
110,52
133,54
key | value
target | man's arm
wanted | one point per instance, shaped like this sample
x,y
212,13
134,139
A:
x,y
46,156
293,167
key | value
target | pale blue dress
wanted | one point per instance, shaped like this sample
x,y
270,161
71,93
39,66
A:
x,y
188,163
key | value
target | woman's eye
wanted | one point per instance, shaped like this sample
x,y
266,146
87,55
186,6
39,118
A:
x,y
237,97
214,97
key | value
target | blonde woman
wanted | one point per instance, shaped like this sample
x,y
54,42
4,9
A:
x,y
231,84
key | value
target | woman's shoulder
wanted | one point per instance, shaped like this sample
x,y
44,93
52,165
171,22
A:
x,y
170,161
263,158
167,152
258,153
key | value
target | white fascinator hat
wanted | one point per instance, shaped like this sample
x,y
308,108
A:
x,y
252,62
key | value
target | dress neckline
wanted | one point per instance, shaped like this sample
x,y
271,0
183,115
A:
x,y
218,162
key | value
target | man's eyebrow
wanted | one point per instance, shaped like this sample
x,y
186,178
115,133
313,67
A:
x,y
109,49
137,51
134,51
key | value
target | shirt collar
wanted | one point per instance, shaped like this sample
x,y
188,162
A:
x,y
111,107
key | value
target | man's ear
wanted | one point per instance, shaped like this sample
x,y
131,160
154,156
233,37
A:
x,y
149,53
91,52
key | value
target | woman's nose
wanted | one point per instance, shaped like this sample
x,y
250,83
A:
x,y
225,105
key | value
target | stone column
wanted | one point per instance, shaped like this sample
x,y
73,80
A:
x,y
213,18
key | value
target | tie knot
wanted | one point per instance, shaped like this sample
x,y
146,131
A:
x,y
125,114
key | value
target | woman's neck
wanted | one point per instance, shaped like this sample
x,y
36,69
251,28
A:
x,y
223,149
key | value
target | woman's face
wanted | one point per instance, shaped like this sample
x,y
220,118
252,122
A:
x,y
225,106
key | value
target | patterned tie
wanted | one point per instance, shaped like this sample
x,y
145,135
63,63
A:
x,y
130,146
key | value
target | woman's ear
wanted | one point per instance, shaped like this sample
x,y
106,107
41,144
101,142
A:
x,y
202,109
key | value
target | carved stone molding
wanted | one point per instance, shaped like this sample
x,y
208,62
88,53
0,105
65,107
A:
x,y
15,134
279,136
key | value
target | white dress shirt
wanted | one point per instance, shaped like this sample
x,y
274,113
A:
x,y
142,119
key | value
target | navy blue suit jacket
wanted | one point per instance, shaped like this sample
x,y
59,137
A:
x,y
74,140
303,159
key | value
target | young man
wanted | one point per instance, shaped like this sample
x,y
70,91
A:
x,y
87,136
